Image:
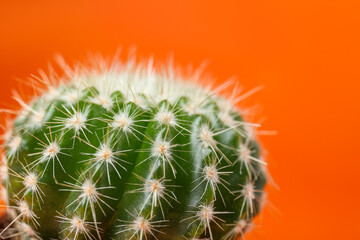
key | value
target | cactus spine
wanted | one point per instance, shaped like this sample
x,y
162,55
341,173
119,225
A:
x,y
125,152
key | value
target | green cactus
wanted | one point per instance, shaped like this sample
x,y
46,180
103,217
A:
x,y
130,153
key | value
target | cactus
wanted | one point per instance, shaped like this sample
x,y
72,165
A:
x,y
127,152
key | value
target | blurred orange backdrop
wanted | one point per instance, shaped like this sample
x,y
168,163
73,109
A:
x,y
306,54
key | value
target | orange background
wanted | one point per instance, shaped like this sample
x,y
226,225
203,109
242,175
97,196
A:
x,y
305,52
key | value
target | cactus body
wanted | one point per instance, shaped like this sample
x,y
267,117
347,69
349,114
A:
x,y
131,154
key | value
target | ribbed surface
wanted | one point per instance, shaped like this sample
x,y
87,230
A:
x,y
127,172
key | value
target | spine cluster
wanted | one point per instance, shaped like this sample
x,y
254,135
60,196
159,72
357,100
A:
x,y
128,153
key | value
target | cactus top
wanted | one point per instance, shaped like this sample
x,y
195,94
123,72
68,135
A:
x,y
127,152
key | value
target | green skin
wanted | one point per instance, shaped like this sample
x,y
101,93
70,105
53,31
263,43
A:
x,y
188,157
